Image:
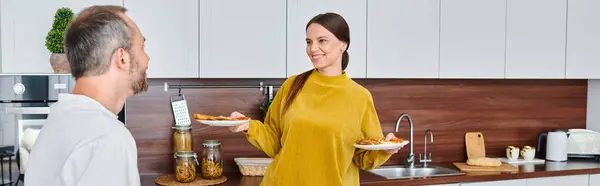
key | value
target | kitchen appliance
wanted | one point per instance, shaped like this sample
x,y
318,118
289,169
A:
x,y
584,143
24,106
553,145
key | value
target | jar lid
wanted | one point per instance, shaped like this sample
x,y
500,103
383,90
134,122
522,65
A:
x,y
211,143
188,127
185,154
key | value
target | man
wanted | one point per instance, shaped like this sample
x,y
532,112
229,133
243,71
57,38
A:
x,y
82,141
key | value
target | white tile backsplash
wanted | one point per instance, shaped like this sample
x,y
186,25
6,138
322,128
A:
x,y
593,105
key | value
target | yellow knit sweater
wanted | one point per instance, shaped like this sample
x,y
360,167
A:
x,y
312,144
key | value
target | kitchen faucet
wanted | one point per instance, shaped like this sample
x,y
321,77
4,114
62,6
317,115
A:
x,y
424,161
411,155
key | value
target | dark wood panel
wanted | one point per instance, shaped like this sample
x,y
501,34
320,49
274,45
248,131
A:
x,y
507,112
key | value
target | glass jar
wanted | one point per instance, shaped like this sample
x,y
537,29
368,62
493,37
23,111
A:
x,y
212,164
185,166
182,139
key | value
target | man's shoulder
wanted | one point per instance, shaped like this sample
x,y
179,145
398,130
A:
x,y
86,118
88,127
114,131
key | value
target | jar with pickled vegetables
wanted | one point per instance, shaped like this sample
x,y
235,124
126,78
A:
x,y
182,139
185,166
212,164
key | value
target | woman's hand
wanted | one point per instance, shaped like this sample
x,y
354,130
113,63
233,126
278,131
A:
x,y
239,128
389,137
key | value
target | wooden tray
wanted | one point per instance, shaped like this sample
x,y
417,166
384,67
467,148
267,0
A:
x,y
169,180
502,168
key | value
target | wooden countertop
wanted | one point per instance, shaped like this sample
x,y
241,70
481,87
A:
x,y
571,167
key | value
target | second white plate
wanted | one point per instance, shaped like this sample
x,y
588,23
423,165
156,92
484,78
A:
x,y
381,146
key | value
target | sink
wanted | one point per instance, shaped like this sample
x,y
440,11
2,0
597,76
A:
x,y
398,172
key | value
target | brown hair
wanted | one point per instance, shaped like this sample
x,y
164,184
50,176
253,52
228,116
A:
x,y
335,24
93,36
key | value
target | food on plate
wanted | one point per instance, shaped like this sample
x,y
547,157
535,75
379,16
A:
x,y
241,118
484,162
370,141
397,140
378,141
209,117
218,118
211,170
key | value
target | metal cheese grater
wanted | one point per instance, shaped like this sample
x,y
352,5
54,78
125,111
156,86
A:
x,y
180,110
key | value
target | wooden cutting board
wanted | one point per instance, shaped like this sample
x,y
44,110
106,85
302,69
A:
x,y
502,168
475,145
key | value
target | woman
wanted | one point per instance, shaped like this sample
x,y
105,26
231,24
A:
x,y
317,116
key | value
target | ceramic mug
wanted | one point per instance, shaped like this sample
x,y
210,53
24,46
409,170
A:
x,y
528,152
512,152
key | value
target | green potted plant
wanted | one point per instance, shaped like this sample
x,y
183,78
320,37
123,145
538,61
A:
x,y
55,40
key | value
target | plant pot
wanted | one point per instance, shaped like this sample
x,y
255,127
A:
x,y
60,64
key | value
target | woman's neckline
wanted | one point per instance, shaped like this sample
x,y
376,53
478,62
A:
x,y
335,79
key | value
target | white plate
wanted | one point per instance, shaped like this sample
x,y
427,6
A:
x,y
223,123
381,146
522,161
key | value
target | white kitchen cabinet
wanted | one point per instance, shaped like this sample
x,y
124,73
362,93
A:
x,y
593,105
472,39
583,36
594,179
535,38
242,39
24,26
403,39
574,180
301,11
518,182
171,32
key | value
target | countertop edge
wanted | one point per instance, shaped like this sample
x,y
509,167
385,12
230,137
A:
x,y
479,178
369,179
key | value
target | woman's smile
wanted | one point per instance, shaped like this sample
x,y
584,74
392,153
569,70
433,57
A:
x,y
317,57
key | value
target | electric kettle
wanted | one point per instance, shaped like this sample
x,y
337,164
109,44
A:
x,y
556,145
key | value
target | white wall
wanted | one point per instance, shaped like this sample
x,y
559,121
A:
x,y
593,105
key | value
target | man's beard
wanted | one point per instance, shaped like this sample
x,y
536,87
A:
x,y
138,81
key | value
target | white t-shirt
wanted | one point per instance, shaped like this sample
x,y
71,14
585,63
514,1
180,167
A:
x,y
82,143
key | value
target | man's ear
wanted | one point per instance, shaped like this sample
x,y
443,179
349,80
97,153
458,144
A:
x,y
121,59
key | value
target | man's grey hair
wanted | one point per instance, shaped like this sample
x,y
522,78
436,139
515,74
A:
x,y
93,37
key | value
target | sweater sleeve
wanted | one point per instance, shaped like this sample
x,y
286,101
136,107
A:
x,y
267,136
370,127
